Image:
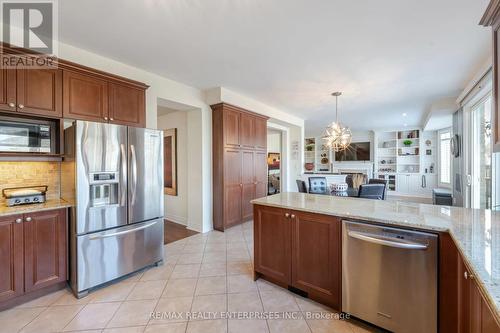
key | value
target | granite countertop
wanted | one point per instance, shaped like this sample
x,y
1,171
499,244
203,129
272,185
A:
x,y
31,208
476,232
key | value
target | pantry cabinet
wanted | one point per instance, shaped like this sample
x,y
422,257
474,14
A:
x,y
239,163
33,252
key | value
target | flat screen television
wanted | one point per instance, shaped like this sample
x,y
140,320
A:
x,y
357,151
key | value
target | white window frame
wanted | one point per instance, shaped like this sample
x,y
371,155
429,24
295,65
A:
x,y
440,183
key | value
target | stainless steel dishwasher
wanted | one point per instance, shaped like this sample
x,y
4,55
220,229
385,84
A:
x,y
389,277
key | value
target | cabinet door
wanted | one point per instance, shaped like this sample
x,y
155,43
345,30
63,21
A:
x,y
260,133
84,97
39,91
127,105
247,132
11,257
45,248
474,307
272,244
7,89
232,187
488,321
316,261
402,183
260,167
231,125
248,184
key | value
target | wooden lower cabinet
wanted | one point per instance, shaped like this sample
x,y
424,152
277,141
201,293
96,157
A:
x,y
44,249
300,250
316,259
33,252
11,257
272,244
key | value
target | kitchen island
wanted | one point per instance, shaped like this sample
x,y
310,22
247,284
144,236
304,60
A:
x,y
297,242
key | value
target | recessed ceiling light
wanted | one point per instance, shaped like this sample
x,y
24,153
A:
x,y
404,114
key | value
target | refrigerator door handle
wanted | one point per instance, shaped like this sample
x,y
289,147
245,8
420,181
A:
x,y
123,188
134,173
99,236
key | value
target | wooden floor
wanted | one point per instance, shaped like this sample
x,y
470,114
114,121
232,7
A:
x,y
174,231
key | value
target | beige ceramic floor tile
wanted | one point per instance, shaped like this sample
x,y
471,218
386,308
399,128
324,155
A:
x,y
213,269
194,248
93,316
190,258
211,285
214,257
113,293
244,302
278,301
135,329
289,326
215,247
207,326
180,288
147,290
306,304
69,299
247,326
240,284
238,267
133,313
185,271
265,286
162,272
178,306
14,319
53,319
209,303
167,328
134,277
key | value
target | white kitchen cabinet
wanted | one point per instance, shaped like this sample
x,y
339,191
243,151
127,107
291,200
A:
x,y
413,184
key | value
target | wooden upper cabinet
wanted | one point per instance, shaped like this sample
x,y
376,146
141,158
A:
x,y
45,239
231,128
316,256
272,244
85,97
7,89
247,132
260,133
39,91
11,257
127,105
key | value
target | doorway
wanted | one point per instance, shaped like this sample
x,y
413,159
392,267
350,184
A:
x,y
274,161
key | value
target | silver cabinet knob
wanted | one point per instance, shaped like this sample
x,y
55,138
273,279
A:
x,y
111,119
468,276
19,220
105,118
21,106
28,219
287,215
12,105
292,216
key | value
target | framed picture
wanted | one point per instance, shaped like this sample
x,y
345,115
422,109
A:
x,y
428,152
170,161
273,161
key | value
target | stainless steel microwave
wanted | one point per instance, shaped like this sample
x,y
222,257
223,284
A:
x,y
20,135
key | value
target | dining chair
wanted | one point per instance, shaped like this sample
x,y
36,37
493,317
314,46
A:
x,y
371,191
301,185
318,185
380,181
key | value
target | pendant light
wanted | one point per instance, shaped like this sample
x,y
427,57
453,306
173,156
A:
x,y
337,136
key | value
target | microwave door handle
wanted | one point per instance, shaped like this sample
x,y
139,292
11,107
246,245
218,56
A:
x,y
134,173
373,239
123,188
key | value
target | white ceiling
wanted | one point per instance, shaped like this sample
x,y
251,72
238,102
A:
x,y
388,56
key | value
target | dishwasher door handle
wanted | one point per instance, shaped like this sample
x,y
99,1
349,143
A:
x,y
381,241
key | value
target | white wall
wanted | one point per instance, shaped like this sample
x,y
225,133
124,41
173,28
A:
x,y
176,207
273,142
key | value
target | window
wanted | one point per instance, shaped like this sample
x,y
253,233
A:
x,y
445,157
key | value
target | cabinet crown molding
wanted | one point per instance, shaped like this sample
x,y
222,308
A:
x,y
491,14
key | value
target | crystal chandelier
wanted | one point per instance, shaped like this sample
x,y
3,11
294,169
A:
x,y
337,136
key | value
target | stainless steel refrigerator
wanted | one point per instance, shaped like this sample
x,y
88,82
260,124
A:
x,y
114,174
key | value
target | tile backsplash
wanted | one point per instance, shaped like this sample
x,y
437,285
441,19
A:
x,y
18,174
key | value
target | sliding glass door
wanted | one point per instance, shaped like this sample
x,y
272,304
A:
x,y
479,161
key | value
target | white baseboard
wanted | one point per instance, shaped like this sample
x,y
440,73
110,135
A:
x,y
177,219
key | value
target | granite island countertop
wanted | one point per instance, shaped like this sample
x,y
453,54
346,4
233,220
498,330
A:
x,y
476,232
32,208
